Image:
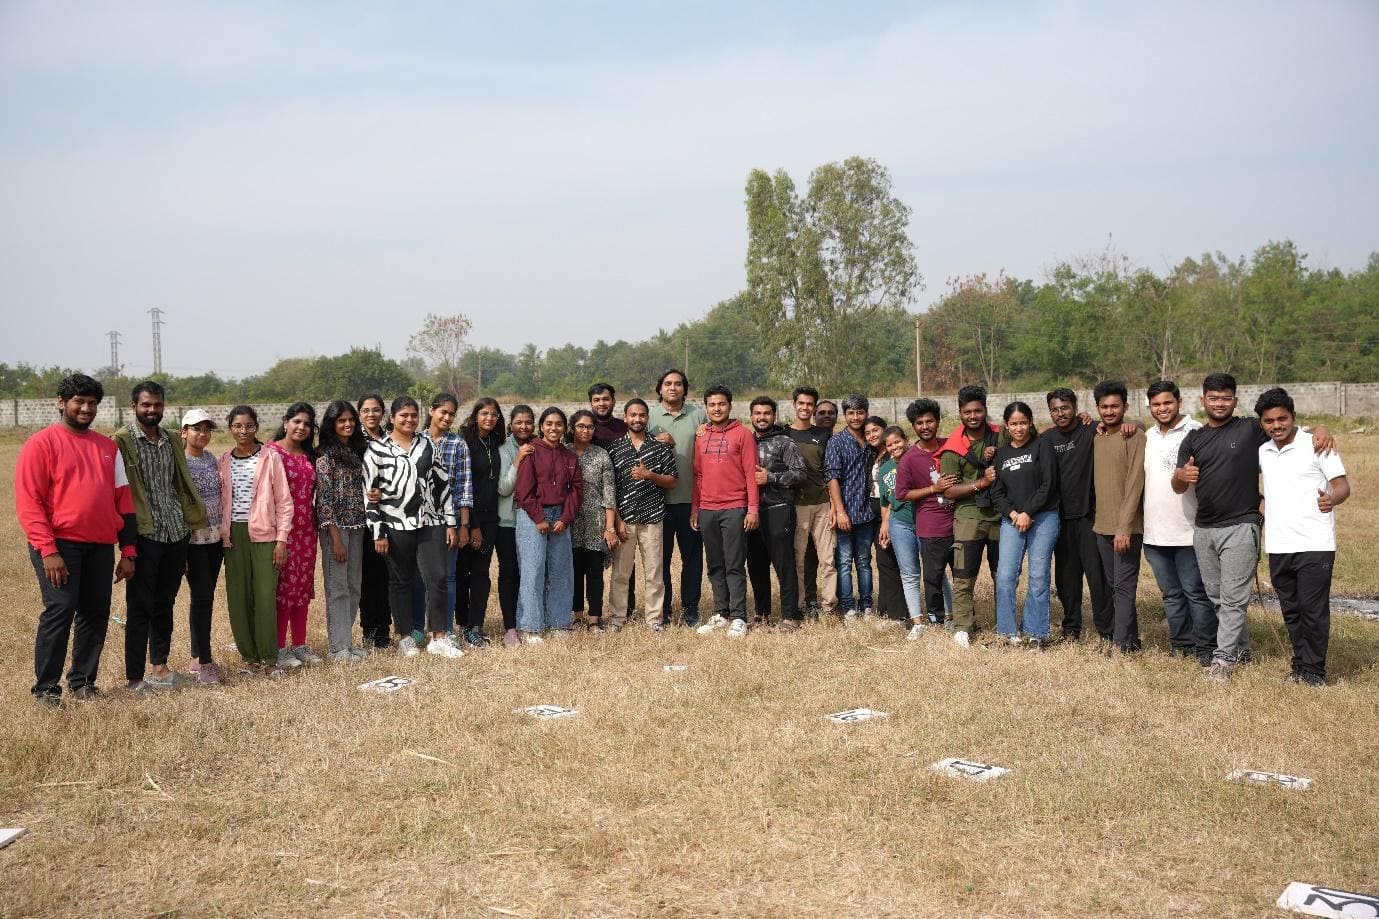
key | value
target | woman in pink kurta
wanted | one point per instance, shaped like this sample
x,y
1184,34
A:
x,y
297,579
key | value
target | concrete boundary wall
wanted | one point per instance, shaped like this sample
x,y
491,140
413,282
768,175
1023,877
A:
x,y
1344,399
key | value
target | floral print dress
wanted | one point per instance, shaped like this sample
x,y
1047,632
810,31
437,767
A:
x,y
297,581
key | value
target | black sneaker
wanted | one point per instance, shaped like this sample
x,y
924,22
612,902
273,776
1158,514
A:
x,y
86,693
475,638
48,699
690,619
1312,679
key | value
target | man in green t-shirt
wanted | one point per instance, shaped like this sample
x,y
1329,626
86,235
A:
x,y
976,523
674,422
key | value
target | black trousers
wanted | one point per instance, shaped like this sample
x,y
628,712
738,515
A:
x,y
1122,575
203,571
588,581
772,545
149,598
375,616
509,578
935,554
678,530
83,600
1076,556
410,552
1302,581
811,575
473,583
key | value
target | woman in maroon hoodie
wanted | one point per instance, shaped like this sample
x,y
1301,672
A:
x,y
549,493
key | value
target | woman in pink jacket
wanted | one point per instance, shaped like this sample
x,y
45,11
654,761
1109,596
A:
x,y
255,522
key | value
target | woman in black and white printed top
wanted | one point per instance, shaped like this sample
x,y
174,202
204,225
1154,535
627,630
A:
x,y
413,525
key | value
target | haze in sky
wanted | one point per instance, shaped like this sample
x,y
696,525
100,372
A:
x,y
289,180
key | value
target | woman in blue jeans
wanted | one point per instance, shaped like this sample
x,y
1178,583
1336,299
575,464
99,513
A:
x,y
547,499
1026,495
897,528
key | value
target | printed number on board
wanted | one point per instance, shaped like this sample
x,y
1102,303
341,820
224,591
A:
x,y
1328,901
967,769
387,684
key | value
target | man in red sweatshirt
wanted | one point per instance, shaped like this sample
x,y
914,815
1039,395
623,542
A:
x,y
724,507
73,501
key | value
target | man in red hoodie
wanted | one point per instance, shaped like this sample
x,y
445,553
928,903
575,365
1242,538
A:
x,y
724,507
73,501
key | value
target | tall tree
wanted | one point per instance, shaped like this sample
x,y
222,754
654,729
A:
x,y
442,341
821,267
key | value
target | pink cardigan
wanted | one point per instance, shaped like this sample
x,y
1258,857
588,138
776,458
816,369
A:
x,y
270,511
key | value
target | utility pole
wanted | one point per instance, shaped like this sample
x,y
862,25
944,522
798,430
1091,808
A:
x,y
919,366
114,353
157,315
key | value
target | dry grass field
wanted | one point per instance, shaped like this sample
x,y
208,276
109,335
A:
x,y
720,790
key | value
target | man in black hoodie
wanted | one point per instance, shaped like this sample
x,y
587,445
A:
x,y
780,468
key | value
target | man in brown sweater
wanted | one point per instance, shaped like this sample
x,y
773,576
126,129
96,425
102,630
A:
x,y
1118,481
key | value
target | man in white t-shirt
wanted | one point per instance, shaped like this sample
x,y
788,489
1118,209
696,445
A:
x,y
1301,490
1168,529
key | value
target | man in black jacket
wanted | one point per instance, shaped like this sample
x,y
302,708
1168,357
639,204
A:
x,y
780,468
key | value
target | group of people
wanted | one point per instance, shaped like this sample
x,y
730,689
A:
x,y
406,514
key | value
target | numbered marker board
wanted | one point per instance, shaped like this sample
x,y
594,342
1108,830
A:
x,y
1252,777
1313,900
389,684
546,712
9,835
854,715
676,668
967,769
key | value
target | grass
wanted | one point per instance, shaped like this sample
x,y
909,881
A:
x,y
721,790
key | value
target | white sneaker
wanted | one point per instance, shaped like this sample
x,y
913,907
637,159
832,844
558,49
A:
x,y
850,617
960,639
287,660
341,657
738,628
916,630
717,622
444,647
408,647
867,613
1014,640
305,655
532,638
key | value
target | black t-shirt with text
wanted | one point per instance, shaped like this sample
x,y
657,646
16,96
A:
x,y
1228,467
1073,451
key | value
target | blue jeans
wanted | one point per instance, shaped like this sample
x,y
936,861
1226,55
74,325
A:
x,y
1038,543
1190,615
906,546
547,567
419,596
855,546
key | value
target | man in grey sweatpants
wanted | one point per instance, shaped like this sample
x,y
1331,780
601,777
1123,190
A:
x,y
1222,459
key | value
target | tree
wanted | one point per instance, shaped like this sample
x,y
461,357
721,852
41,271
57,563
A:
x,y
820,268
442,341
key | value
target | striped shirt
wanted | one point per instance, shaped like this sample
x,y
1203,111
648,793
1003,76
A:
x,y
640,500
414,487
243,469
158,469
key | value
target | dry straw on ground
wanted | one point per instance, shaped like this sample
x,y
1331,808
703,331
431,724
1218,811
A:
x,y
720,790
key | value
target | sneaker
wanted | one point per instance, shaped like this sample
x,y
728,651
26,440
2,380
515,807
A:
x,y
272,672
306,655
850,616
1013,640
357,655
287,660
868,613
170,680
142,689
787,625
510,639
960,639
1220,671
690,618
342,656
717,622
88,693
532,638
49,699
444,647
657,626
209,674
1307,679
1036,644
596,628
405,648
738,628
475,638
916,630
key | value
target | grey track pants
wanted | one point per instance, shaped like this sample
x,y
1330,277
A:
x,y
1227,557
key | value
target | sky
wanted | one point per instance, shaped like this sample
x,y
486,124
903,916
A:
x,y
296,179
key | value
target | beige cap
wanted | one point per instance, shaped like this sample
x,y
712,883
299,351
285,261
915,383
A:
x,y
196,416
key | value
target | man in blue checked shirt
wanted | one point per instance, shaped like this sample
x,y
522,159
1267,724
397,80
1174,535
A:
x,y
847,469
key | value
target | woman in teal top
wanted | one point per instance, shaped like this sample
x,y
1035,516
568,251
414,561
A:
x,y
898,525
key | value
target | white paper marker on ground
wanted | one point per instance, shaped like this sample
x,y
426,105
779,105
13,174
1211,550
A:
x,y
549,711
10,834
676,668
1252,777
967,769
854,715
386,685
1328,901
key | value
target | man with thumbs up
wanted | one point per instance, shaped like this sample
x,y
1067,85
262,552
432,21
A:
x,y
1222,460
644,469
1301,489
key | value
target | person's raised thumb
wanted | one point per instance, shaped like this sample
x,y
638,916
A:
x,y
1192,461
1322,492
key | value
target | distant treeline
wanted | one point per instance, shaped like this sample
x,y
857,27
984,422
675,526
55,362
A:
x,y
1264,318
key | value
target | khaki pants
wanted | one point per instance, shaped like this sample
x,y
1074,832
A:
x,y
643,547
970,537
811,521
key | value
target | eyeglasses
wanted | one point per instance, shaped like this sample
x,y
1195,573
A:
x,y
584,427
244,427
